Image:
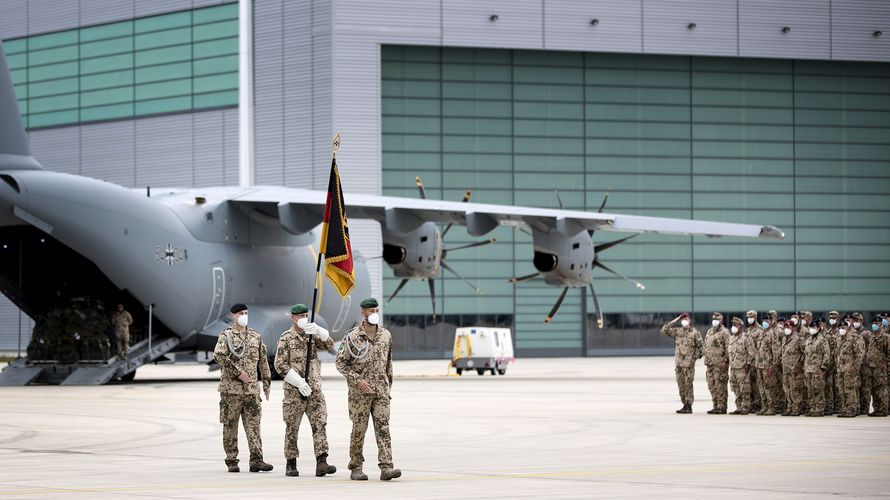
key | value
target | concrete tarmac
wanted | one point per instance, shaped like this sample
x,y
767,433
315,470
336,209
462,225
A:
x,y
555,428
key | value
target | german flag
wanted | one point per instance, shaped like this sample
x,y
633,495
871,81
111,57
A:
x,y
335,237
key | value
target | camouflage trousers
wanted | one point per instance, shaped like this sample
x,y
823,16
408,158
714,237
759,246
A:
x,y
779,390
879,389
848,387
755,388
864,389
361,408
233,407
815,383
740,380
769,394
795,390
829,391
717,377
316,410
121,344
685,376
838,397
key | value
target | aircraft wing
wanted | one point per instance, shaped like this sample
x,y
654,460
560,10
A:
x,y
301,208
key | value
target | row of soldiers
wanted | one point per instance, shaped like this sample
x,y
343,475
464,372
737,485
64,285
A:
x,y
801,365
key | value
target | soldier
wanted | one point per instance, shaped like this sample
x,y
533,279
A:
x,y
717,363
240,352
301,396
778,336
817,359
864,378
876,359
753,332
832,398
767,374
122,321
793,369
849,358
741,362
687,348
365,359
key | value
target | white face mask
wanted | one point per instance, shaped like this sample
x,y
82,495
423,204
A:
x,y
242,320
794,320
735,329
685,323
813,331
805,322
750,321
787,331
832,322
302,322
856,324
842,331
715,323
374,318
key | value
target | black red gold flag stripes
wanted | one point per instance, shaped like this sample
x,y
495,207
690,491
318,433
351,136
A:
x,y
335,237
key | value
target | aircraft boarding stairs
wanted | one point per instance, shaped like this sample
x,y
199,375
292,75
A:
x,y
86,372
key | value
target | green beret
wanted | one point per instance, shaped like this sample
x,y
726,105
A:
x,y
299,309
368,303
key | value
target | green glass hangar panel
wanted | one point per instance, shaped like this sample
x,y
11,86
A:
x,y
168,63
803,145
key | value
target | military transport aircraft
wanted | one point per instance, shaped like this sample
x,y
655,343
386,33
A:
x,y
189,253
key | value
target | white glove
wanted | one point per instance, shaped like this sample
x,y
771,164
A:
x,y
314,329
293,378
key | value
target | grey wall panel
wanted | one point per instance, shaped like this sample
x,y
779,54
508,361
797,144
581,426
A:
x,y
206,3
268,92
520,23
761,23
164,151
417,18
209,153
230,147
52,15
567,25
57,149
13,18
152,7
854,24
323,109
108,152
106,11
366,239
10,328
297,94
665,25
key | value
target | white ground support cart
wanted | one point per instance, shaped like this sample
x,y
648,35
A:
x,y
482,349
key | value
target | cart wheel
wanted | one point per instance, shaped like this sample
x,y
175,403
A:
x,y
480,371
492,371
502,371
460,371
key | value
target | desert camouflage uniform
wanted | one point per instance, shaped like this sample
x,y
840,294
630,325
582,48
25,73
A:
x,y
291,353
849,358
122,321
376,369
778,332
864,374
792,371
831,398
717,364
237,399
741,362
754,332
687,349
766,373
817,360
876,359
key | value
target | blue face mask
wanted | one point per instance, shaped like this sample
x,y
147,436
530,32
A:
x,y
765,325
885,321
874,327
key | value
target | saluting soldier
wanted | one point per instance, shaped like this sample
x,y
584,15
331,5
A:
x,y
303,396
240,352
688,348
717,362
365,359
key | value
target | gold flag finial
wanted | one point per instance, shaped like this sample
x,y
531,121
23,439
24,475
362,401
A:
x,y
336,145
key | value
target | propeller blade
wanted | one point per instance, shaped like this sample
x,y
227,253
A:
x,y
467,197
605,246
596,306
472,245
556,306
597,263
432,284
452,271
603,204
374,257
561,206
398,289
523,278
420,187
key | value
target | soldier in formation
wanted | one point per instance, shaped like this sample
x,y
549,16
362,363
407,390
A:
x,y
717,362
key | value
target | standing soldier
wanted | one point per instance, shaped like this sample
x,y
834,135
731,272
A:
x,y
717,362
365,359
754,332
741,362
792,369
767,374
876,359
687,348
240,352
122,320
301,396
778,332
817,359
849,358
832,398
864,378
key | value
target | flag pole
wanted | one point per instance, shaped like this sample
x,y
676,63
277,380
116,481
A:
x,y
334,147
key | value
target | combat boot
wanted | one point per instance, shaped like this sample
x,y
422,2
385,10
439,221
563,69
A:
x,y
736,412
713,411
261,466
358,475
322,467
687,409
720,411
744,412
290,468
234,468
769,412
682,410
387,474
